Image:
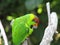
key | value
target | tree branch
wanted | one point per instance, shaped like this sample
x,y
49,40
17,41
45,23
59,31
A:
x,y
3,34
51,28
27,42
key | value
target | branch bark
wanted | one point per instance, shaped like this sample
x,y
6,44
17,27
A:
x,y
3,34
27,42
51,28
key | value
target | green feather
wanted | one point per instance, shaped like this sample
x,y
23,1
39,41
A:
x,y
21,28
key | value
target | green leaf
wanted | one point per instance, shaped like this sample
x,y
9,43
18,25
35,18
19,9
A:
x,y
9,18
31,4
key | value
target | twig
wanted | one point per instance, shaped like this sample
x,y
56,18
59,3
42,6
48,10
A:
x,y
25,42
48,12
50,29
3,34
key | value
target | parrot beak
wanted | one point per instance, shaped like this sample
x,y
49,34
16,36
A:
x,y
36,20
35,26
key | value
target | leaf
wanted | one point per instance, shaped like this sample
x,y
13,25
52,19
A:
x,y
9,18
39,11
31,4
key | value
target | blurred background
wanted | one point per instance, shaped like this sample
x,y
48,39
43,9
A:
x,y
11,9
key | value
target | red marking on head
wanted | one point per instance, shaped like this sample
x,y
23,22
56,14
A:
x,y
37,21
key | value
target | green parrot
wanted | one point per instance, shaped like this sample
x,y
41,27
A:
x,y
22,27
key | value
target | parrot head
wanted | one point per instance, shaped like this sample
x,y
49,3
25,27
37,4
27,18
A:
x,y
36,20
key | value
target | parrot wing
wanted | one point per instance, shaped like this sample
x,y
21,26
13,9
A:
x,y
19,34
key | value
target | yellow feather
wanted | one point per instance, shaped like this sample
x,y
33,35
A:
x,y
32,16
